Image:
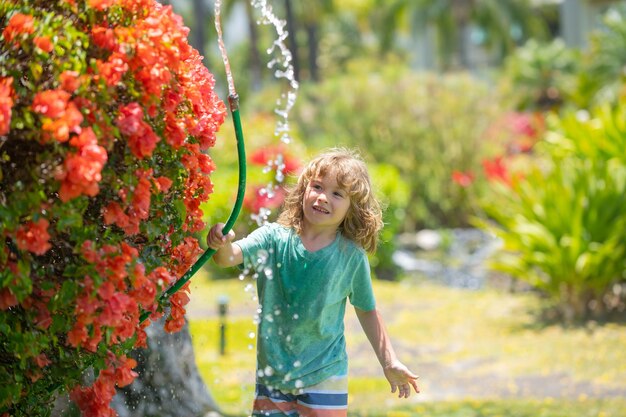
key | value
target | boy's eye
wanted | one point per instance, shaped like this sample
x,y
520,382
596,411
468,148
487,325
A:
x,y
338,194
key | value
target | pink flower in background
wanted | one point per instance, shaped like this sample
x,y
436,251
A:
x,y
464,179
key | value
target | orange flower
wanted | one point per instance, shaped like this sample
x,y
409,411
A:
x,y
61,127
163,183
114,214
113,70
7,299
42,360
69,81
43,43
34,237
101,4
51,103
18,24
81,172
6,104
124,374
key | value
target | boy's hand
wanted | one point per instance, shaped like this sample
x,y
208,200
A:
x,y
215,239
401,378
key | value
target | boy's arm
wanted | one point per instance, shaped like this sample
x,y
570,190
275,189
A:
x,y
227,253
398,375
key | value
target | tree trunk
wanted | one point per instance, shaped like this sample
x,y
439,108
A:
x,y
198,33
168,383
311,31
293,45
255,58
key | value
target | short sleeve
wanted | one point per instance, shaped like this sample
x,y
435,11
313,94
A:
x,y
362,294
256,245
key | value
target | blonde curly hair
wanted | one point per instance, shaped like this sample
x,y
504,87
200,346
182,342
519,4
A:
x,y
363,221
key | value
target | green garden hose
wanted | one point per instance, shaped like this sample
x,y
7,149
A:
x,y
233,101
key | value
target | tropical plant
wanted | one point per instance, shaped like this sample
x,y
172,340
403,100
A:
x,y
563,224
602,78
105,116
541,74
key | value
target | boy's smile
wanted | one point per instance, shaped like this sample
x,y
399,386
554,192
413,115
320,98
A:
x,y
325,203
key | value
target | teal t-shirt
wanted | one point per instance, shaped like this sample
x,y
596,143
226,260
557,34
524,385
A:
x,y
302,297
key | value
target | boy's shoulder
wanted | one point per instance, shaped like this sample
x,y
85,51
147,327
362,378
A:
x,y
277,229
350,245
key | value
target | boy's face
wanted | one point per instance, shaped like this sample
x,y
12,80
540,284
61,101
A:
x,y
325,203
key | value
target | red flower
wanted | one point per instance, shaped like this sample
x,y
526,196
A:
x,y
101,4
7,299
51,103
69,81
276,156
163,183
103,37
43,43
18,24
495,170
81,171
42,360
34,237
142,145
6,104
259,198
124,374
464,179
113,69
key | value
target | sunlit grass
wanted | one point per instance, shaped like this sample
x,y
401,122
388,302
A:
x,y
504,408
498,332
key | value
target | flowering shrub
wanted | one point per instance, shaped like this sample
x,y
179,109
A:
x,y
105,114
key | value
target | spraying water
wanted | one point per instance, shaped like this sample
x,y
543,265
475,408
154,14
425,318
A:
x,y
281,62
220,42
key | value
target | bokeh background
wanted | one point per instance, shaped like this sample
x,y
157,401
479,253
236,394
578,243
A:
x,y
495,133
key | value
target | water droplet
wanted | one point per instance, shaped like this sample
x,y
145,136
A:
x,y
299,384
269,371
297,364
251,335
296,316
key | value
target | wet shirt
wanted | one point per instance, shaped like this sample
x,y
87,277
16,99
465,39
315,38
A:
x,y
302,298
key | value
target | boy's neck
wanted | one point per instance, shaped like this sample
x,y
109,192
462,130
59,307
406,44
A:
x,y
316,239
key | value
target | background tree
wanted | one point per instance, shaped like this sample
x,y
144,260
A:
x,y
503,25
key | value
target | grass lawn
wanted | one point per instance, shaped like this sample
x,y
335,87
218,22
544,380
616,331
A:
x,y
479,353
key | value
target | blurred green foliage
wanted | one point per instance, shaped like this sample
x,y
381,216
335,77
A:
x,y
425,125
563,225
541,74
602,77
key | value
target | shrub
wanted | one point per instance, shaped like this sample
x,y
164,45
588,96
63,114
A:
x,y
427,126
541,74
563,224
105,116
